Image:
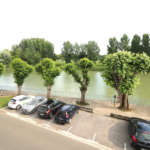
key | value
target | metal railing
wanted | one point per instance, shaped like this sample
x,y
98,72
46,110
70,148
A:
x,y
135,101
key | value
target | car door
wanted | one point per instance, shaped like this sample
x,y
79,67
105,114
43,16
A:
x,y
74,109
55,107
38,103
21,101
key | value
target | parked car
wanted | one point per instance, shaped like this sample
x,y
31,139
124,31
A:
x,y
139,133
66,113
50,108
32,105
18,101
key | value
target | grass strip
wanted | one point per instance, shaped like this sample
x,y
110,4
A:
x,y
4,101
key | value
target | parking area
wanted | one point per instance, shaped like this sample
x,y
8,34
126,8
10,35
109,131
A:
x,y
105,130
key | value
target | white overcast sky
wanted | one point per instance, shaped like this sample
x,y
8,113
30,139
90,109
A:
x,y
75,20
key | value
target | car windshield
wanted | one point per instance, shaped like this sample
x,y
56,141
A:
x,y
143,135
61,114
43,108
31,102
12,100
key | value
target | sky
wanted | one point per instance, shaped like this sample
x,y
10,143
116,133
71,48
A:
x,y
78,21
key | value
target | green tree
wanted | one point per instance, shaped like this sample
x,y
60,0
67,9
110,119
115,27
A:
x,y
124,43
67,51
85,64
113,46
33,50
5,57
1,68
93,51
121,73
21,70
146,44
46,68
136,44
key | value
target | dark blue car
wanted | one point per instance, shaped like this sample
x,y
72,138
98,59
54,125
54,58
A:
x,y
66,113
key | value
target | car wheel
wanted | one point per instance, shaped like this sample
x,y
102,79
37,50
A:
x,y
51,116
18,107
131,141
69,121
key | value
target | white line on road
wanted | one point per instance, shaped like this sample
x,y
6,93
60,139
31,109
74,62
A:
x,y
32,116
69,129
50,122
94,137
124,146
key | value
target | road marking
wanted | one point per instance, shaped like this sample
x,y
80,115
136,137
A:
x,y
124,146
69,129
94,137
32,116
50,122
46,125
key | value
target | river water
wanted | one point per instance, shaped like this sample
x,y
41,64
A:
x,y
66,83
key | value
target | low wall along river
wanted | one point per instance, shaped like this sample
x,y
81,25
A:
x,y
97,90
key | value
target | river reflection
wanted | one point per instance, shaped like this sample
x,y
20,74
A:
x,y
66,83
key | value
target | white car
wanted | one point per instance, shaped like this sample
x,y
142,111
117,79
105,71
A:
x,y
18,101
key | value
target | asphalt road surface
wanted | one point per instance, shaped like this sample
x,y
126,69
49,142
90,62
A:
x,y
16,134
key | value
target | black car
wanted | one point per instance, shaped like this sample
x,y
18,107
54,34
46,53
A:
x,y
50,108
139,133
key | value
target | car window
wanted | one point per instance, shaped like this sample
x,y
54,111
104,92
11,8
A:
x,y
61,113
24,98
43,108
55,104
13,100
39,101
71,110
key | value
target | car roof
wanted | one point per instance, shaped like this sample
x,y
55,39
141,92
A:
x,y
49,102
66,107
18,97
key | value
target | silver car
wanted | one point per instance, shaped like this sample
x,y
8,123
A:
x,y
32,105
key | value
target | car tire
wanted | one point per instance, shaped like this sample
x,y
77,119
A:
x,y
51,116
18,107
69,121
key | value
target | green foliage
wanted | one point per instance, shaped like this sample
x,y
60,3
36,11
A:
x,y
93,51
67,51
113,46
33,50
124,43
1,68
5,57
21,70
125,66
4,101
85,104
46,68
85,65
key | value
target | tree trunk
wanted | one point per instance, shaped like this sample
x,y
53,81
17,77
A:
x,y
19,89
48,92
120,99
83,97
83,92
125,101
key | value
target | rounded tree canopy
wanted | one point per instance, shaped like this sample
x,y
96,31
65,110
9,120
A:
x,y
1,68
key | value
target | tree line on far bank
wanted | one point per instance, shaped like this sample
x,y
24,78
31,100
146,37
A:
x,y
35,49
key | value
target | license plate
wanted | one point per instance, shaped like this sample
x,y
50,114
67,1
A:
x,y
60,119
42,114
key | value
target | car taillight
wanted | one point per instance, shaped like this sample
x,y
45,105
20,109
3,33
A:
x,y
14,103
48,112
134,139
67,115
57,113
145,132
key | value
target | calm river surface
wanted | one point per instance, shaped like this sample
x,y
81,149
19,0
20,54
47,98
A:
x,y
66,83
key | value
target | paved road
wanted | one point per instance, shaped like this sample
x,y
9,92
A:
x,y
16,134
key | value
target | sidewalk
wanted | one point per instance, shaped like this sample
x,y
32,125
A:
x,y
99,107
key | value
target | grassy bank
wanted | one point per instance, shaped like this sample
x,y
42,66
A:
x,y
4,101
